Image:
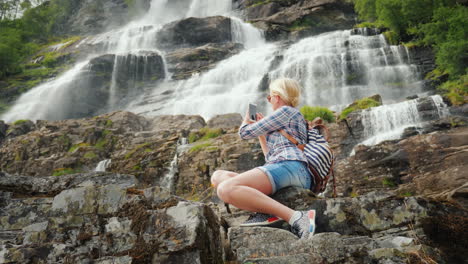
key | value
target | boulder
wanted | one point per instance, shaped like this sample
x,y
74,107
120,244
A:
x,y
185,62
227,121
195,32
352,230
299,19
19,127
177,122
428,164
107,223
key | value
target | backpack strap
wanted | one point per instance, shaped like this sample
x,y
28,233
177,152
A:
x,y
293,140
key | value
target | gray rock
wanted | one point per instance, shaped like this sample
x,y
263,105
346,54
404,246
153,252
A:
x,y
177,122
227,121
19,127
90,17
54,185
195,32
3,130
185,62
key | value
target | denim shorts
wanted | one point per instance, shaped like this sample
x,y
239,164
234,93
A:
x,y
288,173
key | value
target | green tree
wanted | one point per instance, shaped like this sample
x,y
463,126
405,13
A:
x,y
448,33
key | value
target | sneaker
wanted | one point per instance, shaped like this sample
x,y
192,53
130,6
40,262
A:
x,y
260,219
304,226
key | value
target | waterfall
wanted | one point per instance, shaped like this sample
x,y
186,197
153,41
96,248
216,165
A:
x,y
442,109
168,180
337,68
47,101
103,165
226,89
246,34
334,69
387,122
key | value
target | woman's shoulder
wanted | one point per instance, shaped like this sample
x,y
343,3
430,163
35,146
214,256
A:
x,y
288,109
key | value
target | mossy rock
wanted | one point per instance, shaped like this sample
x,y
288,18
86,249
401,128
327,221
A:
x,y
361,104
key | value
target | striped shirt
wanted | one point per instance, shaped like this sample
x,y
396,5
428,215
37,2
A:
x,y
279,147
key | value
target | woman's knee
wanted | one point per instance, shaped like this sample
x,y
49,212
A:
x,y
216,178
224,191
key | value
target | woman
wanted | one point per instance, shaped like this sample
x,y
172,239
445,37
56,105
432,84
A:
x,y
285,165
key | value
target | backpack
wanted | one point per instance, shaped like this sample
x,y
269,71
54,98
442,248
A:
x,y
319,155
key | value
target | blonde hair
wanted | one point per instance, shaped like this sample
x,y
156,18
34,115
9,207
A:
x,y
287,89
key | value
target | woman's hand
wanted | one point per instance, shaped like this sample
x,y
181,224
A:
x,y
259,116
247,118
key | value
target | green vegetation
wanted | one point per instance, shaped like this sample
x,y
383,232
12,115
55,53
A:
x,y
64,171
3,107
405,194
74,147
457,90
19,122
90,155
363,103
303,23
204,134
109,123
22,37
101,143
389,182
136,149
199,147
311,112
440,24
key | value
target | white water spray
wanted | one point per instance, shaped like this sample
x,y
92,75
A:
x,y
387,122
168,180
103,165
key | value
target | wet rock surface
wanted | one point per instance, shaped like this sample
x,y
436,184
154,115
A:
x,y
298,19
91,17
185,62
195,32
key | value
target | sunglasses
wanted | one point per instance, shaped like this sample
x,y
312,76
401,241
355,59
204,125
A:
x,y
269,97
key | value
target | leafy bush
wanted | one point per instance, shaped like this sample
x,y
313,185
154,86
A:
x,y
311,112
456,91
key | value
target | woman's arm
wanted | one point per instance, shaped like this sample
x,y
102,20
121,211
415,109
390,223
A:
x,y
263,144
262,138
278,120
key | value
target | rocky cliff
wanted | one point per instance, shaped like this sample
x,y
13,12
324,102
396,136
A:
x,y
400,201
126,188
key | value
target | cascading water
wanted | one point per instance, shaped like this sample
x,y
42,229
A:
x,y
337,68
43,101
52,100
103,165
388,122
168,179
334,68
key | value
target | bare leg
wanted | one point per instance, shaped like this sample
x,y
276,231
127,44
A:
x,y
249,191
221,175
